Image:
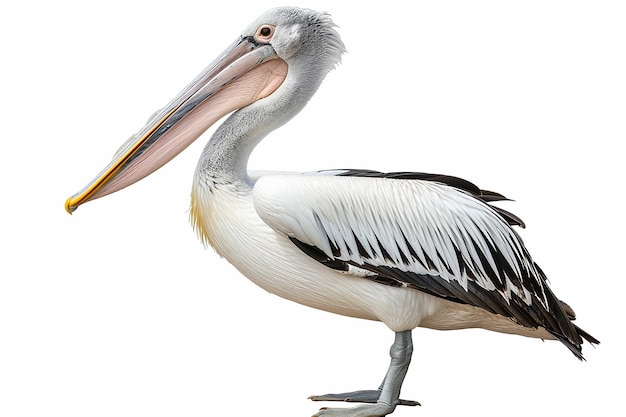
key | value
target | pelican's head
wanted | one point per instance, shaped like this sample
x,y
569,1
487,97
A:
x,y
281,45
301,37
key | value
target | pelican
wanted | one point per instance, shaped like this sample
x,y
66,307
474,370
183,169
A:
x,y
406,249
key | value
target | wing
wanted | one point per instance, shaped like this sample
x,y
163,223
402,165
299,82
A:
x,y
434,233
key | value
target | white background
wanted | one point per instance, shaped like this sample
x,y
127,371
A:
x,y
118,310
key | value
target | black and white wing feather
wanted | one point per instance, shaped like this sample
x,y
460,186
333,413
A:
x,y
434,233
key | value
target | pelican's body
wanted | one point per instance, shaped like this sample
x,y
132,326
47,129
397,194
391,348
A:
x,y
406,249
226,217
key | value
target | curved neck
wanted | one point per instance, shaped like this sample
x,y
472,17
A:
x,y
226,154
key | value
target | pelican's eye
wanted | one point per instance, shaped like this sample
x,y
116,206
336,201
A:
x,y
264,33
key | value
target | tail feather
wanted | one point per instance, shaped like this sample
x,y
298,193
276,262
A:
x,y
589,338
576,348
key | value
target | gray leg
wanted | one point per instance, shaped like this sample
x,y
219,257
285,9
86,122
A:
x,y
382,401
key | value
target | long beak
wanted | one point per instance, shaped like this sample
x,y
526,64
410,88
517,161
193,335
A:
x,y
242,74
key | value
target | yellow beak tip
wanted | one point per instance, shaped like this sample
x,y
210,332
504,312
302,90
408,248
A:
x,y
69,207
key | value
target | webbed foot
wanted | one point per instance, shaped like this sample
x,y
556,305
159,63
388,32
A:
x,y
365,396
